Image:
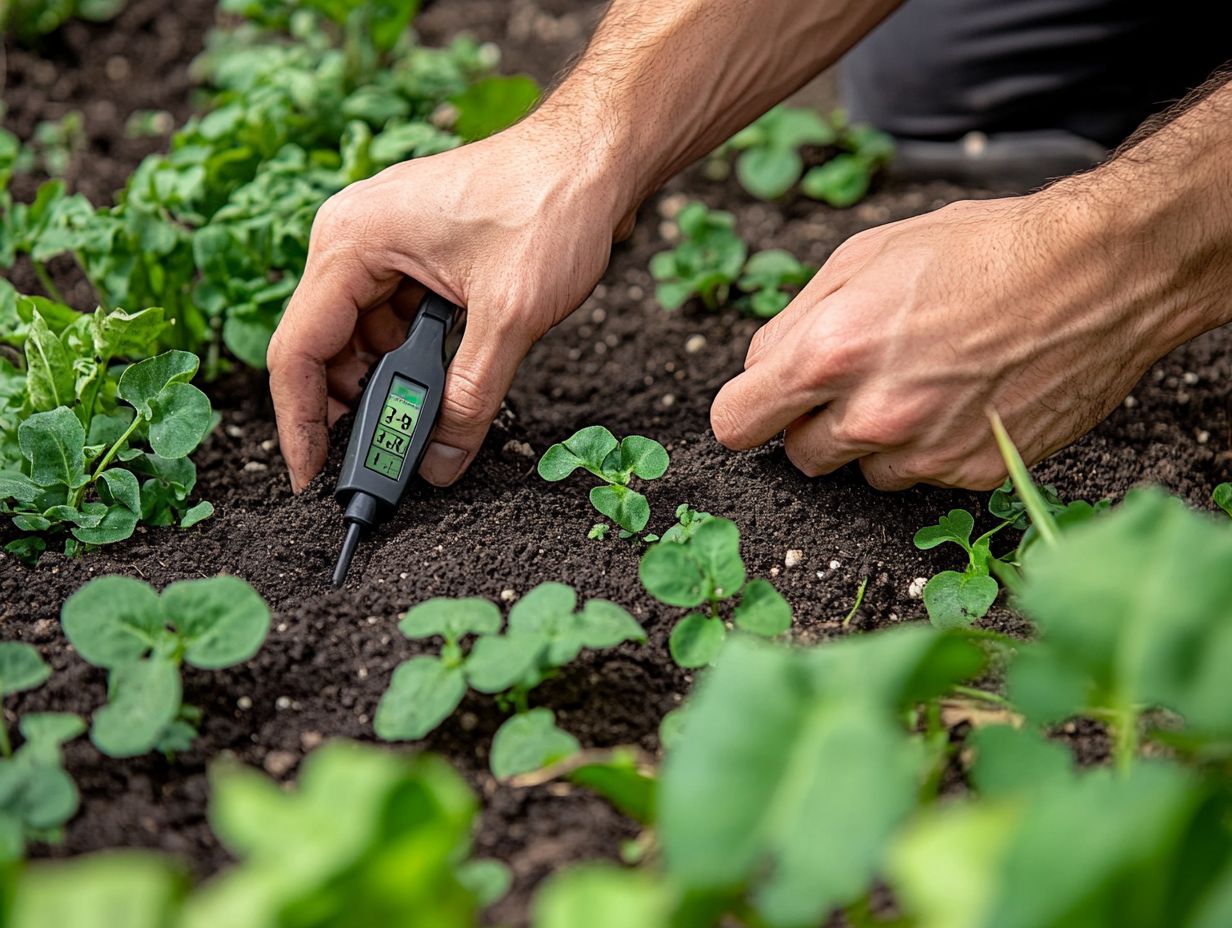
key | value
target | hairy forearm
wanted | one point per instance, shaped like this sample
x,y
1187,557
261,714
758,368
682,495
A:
x,y
661,84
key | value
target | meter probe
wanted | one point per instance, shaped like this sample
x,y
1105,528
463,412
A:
x,y
393,424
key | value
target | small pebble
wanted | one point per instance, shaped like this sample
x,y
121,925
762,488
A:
x,y
279,763
667,400
520,448
234,431
1203,436
695,343
916,589
508,596
244,702
269,444
598,314
1189,377
793,557
636,293
282,702
1130,402
116,68
311,739
835,564
362,673
256,467
774,571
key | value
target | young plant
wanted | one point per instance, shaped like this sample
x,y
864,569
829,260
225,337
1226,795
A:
x,y
545,631
141,638
844,180
687,522
705,569
769,164
1222,497
596,450
37,796
953,599
705,264
94,446
769,279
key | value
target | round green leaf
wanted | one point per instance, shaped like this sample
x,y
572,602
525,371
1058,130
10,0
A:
x,y
222,620
116,524
696,640
557,463
545,610
143,698
451,618
643,456
142,382
198,513
603,624
716,546
112,620
762,610
486,879
497,662
49,799
421,695
180,417
529,741
956,527
842,181
954,600
627,508
670,574
50,728
21,667
767,173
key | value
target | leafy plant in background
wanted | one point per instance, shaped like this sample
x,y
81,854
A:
x,y
305,98
844,180
36,795
705,264
141,638
597,451
367,837
545,631
705,569
769,163
768,280
90,446
29,19
711,258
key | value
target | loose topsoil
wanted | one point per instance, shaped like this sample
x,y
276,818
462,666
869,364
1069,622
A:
x,y
619,361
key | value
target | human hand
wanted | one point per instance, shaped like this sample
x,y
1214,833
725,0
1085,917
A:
x,y
895,351
517,228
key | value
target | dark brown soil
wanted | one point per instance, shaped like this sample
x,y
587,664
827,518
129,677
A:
x,y
619,361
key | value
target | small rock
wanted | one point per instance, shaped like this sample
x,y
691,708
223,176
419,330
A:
x,y
916,589
1130,402
244,702
508,596
311,739
282,702
667,400
234,431
793,557
636,293
269,444
116,68
598,314
362,673
1203,436
774,571
1189,377
695,343
836,564
256,467
279,763
520,448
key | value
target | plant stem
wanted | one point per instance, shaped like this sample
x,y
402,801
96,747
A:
x,y
972,692
1041,518
1125,738
106,459
46,282
6,748
856,606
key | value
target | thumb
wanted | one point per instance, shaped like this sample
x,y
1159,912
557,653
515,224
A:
x,y
476,383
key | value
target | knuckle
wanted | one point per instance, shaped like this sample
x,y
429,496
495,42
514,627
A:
x,y
884,475
800,455
725,421
466,398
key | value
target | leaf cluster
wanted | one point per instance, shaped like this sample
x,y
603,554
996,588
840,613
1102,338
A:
x,y
30,19
90,445
367,837
37,796
712,257
142,638
596,450
704,568
545,631
303,99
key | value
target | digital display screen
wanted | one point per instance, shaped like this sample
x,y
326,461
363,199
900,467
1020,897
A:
x,y
392,439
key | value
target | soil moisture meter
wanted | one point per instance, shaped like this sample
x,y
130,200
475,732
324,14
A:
x,y
393,423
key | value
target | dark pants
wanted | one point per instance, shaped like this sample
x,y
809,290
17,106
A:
x,y
938,69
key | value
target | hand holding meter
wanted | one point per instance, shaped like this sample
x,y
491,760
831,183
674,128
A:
x,y
393,424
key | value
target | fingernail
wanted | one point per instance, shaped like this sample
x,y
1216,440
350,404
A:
x,y
442,464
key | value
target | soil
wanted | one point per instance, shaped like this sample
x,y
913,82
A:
x,y
620,361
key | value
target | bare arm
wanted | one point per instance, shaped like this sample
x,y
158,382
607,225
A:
x,y
518,227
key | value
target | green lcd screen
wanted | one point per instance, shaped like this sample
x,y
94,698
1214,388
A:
x,y
392,439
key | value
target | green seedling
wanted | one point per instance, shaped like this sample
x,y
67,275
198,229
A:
x,y
598,531
687,522
706,570
844,180
705,264
596,450
769,163
769,279
37,796
141,638
954,599
1222,497
99,446
545,631
1006,504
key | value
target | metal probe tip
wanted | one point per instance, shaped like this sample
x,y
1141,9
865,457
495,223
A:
x,y
348,551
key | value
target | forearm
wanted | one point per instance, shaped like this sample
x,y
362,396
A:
x,y
661,84
1161,209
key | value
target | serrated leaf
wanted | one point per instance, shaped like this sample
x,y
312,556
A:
x,y
422,694
529,741
222,620
113,620
143,698
762,610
